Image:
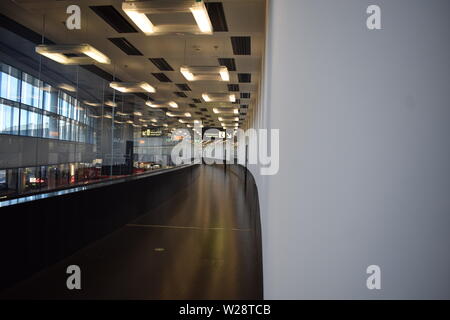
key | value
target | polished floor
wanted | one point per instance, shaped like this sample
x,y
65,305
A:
x,y
201,244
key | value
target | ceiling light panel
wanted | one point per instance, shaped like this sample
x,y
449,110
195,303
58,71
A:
x,y
205,73
219,97
139,11
127,87
59,53
225,111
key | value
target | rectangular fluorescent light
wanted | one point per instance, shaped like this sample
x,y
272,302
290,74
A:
x,y
225,111
225,119
57,53
92,104
110,103
219,97
138,12
127,87
205,73
178,114
173,104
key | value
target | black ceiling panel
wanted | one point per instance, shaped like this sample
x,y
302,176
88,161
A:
x,y
183,87
161,64
22,31
241,45
192,105
161,77
114,19
180,94
245,95
217,16
124,45
233,87
204,109
228,62
245,77
197,100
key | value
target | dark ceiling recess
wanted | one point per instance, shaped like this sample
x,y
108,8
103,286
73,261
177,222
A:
x,y
197,100
192,105
22,31
183,87
245,95
244,106
101,73
198,113
241,45
124,45
161,77
144,96
180,94
114,19
204,109
238,101
245,77
228,62
233,87
161,64
217,16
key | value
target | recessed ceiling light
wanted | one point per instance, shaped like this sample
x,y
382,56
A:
x,y
58,53
219,97
139,11
127,87
205,73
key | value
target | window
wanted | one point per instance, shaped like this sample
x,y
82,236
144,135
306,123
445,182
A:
x,y
9,82
31,91
9,119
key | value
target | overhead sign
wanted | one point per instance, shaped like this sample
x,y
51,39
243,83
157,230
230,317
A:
x,y
145,133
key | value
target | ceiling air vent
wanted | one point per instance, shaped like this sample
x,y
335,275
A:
x,y
245,77
217,16
233,87
161,64
228,62
204,109
113,18
161,77
192,105
180,94
245,95
197,100
124,45
241,45
183,87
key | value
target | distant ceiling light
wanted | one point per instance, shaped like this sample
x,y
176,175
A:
x,y
225,119
153,120
108,116
92,104
110,103
205,73
121,113
137,113
67,87
58,53
178,114
165,125
139,11
127,87
130,122
173,104
218,97
225,110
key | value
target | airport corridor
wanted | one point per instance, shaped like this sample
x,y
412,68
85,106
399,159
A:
x,y
203,243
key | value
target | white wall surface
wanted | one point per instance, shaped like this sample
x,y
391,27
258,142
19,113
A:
x,y
364,119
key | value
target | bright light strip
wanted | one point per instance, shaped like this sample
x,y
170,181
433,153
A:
x,y
95,54
187,74
224,74
205,73
206,97
225,111
202,18
138,12
141,21
126,87
92,104
137,113
173,104
56,53
228,119
110,103
219,97
67,87
178,114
